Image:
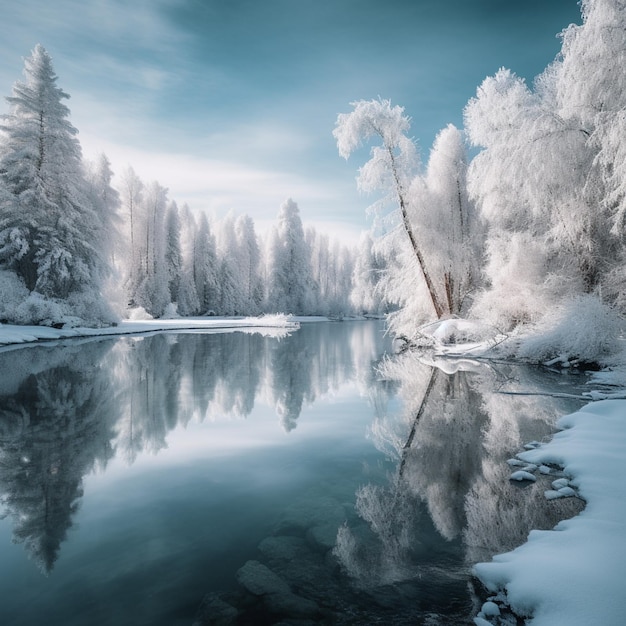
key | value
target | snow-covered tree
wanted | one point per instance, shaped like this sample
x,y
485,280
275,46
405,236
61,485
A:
x,y
289,288
230,279
366,294
50,231
249,264
391,169
152,279
205,267
173,252
131,192
188,303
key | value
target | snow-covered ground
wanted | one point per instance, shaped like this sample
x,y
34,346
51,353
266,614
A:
x,y
574,574
268,324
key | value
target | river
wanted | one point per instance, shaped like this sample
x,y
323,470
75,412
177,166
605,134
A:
x,y
235,478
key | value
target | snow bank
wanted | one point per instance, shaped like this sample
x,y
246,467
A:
x,y
457,336
574,575
583,329
267,324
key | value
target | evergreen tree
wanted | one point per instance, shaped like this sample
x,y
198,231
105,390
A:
x,y
290,264
50,232
205,268
249,263
173,252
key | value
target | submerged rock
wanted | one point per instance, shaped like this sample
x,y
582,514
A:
x,y
283,547
260,580
214,611
290,604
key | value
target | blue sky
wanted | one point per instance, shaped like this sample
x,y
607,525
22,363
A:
x,y
231,103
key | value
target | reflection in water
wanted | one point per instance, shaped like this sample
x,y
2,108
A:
x,y
286,528
68,409
450,448
55,426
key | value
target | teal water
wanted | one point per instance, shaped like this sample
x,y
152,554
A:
x,y
234,478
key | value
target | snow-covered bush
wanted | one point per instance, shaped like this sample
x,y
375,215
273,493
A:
x,y
583,328
519,290
35,309
171,311
138,314
13,292
90,309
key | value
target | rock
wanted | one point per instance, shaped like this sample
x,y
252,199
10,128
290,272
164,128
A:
x,y
560,483
260,580
291,605
490,609
283,547
216,612
522,475
323,536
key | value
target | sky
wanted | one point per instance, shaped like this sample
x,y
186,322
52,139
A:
x,y
231,104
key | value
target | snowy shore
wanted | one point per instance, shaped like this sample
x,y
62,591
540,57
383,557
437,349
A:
x,y
12,334
574,574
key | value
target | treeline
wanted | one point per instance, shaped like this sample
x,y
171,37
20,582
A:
x,y
75,248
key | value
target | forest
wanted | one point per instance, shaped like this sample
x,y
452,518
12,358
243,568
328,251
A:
x,y
75,249
516,220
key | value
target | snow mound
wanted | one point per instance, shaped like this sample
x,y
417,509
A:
x,y
583,329
460,336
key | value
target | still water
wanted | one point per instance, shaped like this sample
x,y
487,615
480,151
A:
x,y
194,478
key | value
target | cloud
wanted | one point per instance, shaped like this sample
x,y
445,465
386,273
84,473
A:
x,y
214,185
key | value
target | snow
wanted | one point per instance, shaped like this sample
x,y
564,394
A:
x,y
523,475
267,324
574,574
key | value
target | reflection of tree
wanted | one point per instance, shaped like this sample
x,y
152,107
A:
x,y
319,359
450,445
67,409
56,427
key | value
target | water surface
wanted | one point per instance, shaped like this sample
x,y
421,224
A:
x,y
186,477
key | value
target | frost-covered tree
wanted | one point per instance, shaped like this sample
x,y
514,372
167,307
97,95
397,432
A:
x,y
173,252
391,168
249,264
432,237
106,200
529,182
549,177
367,292
230,279
50,231
152,279
289,288
205,267
188,303
131,192
448,215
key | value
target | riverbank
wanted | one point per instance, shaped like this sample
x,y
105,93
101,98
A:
x,y
574,574
11,335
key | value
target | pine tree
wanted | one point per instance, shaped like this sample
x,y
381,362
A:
x,y
49,228
290,265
